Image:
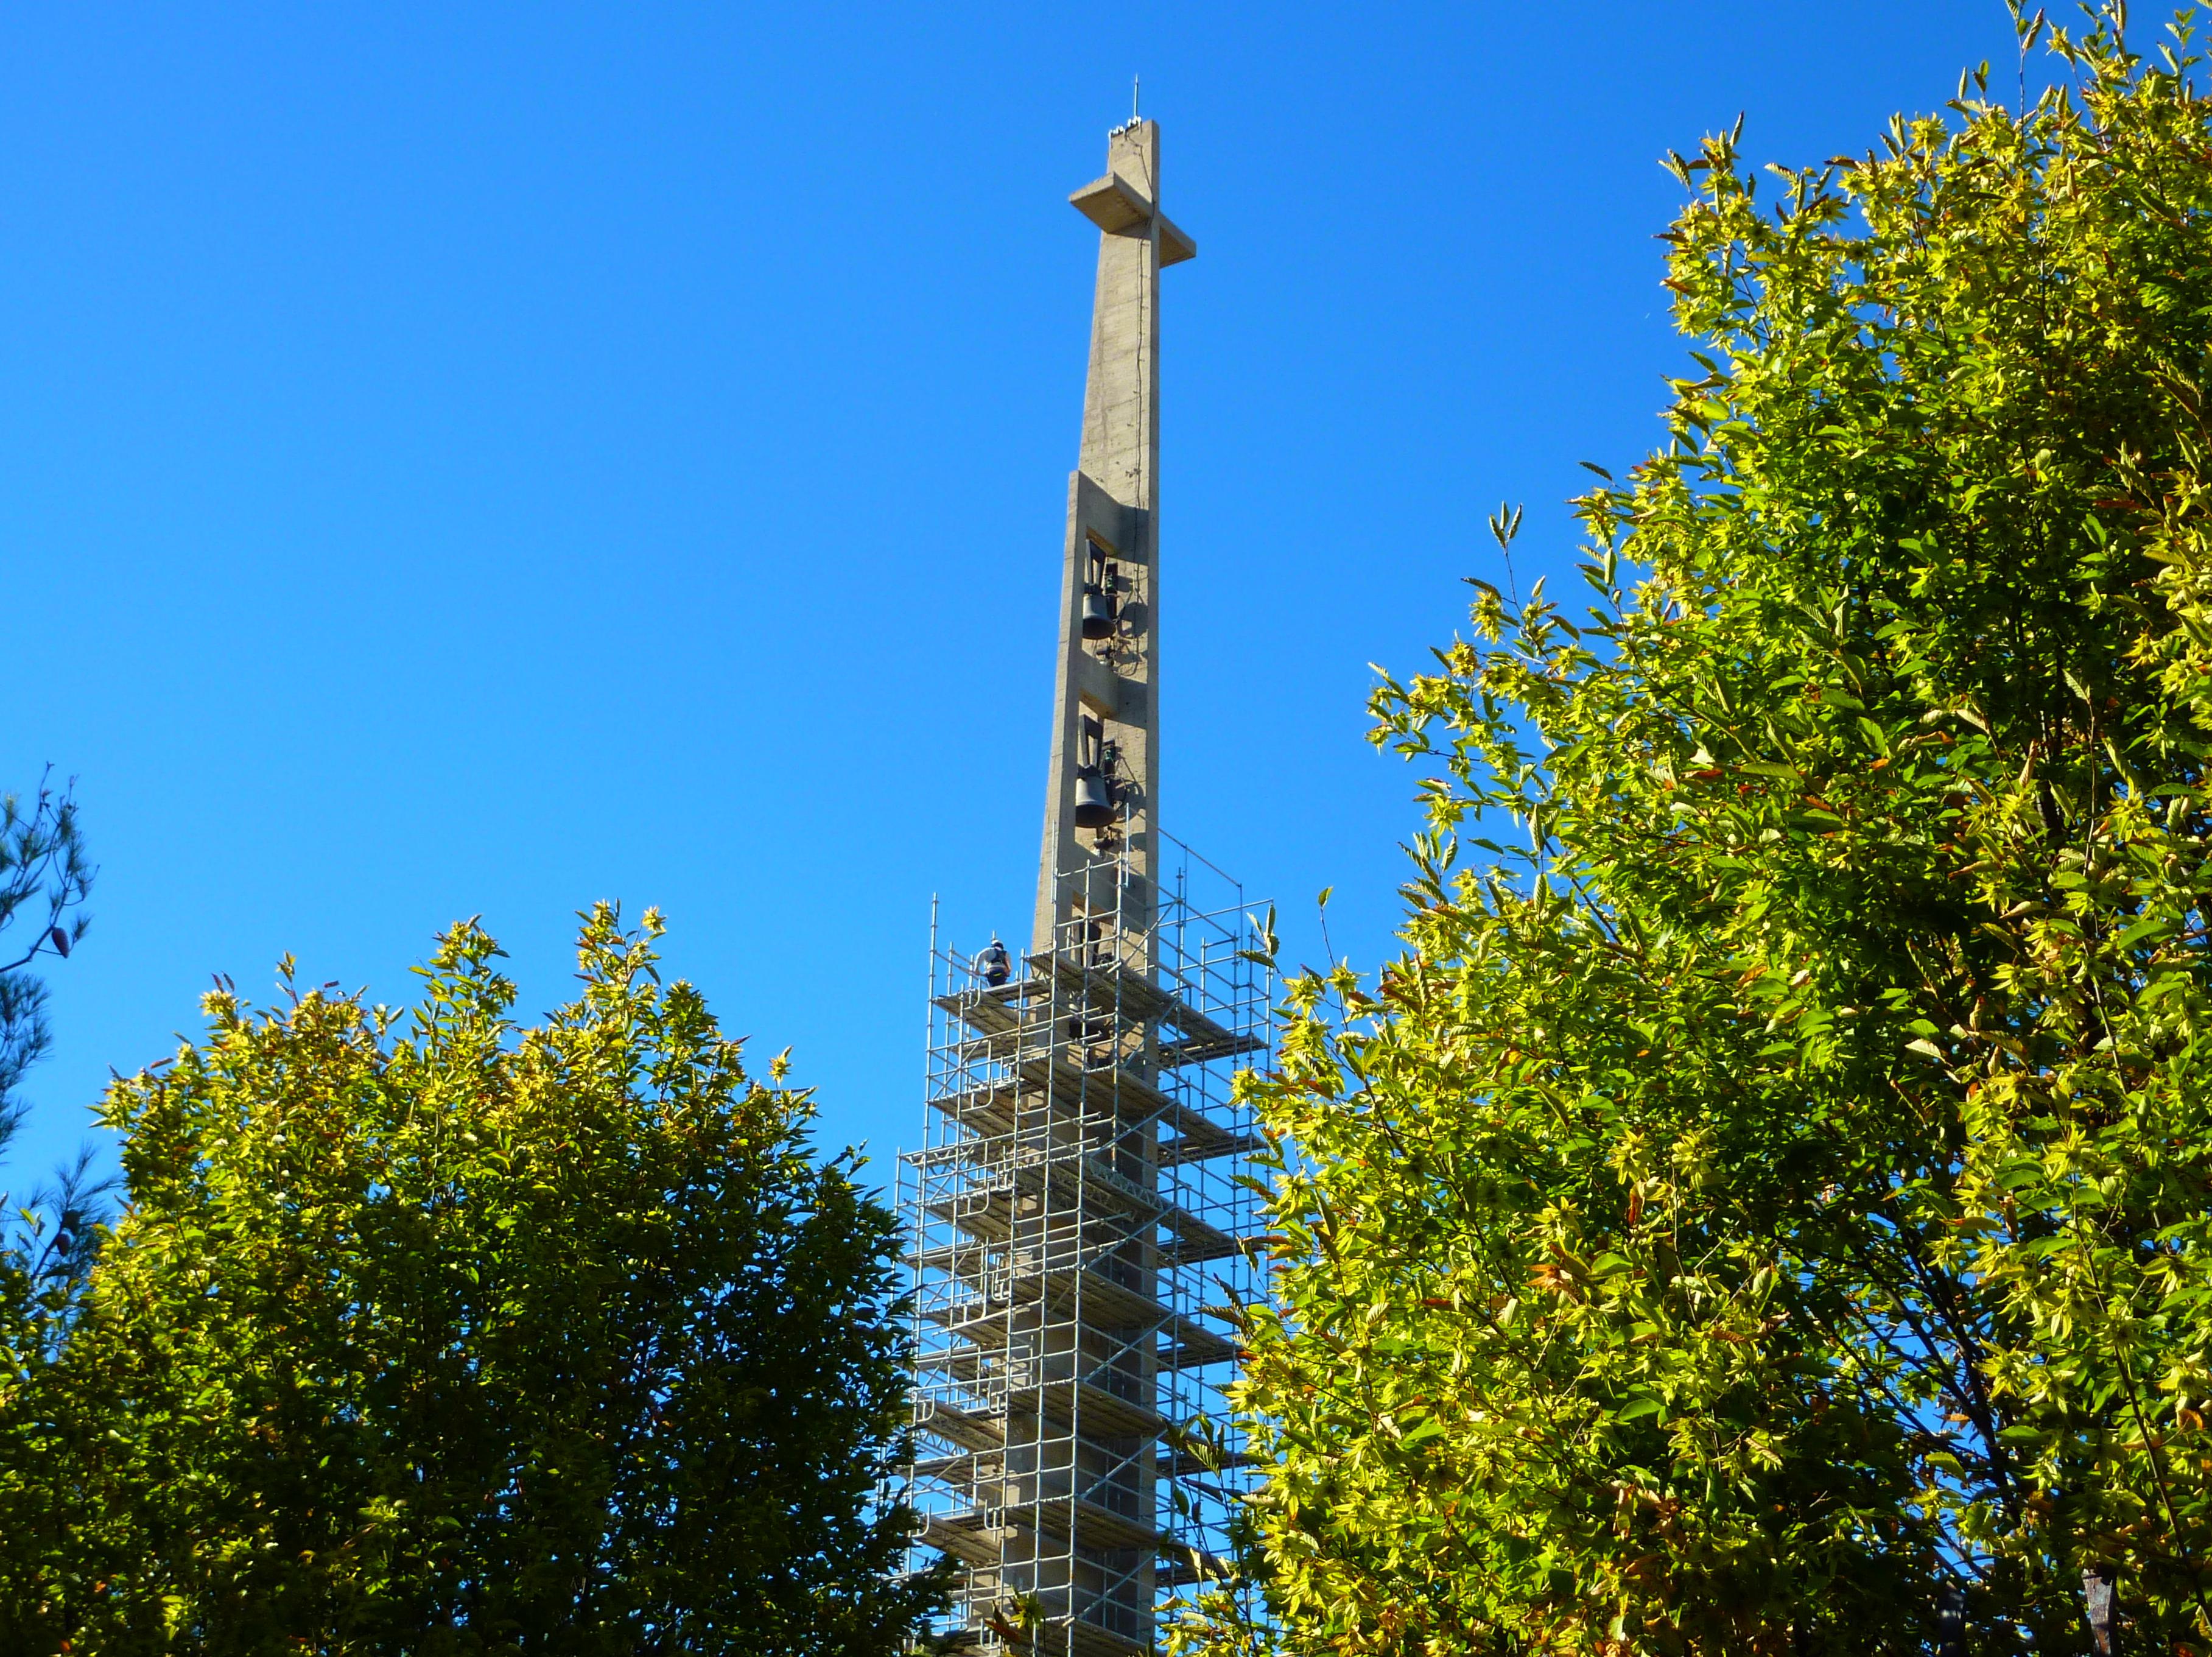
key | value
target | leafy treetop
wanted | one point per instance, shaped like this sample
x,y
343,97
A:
x,y
1775,1182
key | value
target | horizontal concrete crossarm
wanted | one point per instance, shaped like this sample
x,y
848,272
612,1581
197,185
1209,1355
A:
x,y
1115,204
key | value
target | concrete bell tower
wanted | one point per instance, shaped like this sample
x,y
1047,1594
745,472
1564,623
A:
x,y
1103,788
1079,1214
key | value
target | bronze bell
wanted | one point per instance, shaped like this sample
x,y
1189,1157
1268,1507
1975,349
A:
x,y
1096,611
1094,806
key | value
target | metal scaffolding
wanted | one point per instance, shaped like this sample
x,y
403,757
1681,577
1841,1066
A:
x,y
1078,1229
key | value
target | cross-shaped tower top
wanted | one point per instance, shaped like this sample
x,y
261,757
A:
x,y
1101,794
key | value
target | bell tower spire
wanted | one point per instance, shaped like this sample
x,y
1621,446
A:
x,y
1080,1209
1102,791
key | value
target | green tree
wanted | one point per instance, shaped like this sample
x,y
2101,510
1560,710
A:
x,y
1779,1186
422,1334
47,1239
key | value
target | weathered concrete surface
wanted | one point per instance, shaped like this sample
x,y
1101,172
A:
x,y
1113,507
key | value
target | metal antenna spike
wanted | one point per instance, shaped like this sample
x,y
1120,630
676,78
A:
x,y
1136,86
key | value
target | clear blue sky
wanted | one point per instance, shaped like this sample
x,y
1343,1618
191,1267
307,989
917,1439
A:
x,y
462,459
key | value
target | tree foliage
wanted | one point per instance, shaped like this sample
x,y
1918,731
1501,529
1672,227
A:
x,y
44,876
1775,1180
422,1333
48,1237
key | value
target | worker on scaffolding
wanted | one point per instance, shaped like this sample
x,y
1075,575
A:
x,y
994,966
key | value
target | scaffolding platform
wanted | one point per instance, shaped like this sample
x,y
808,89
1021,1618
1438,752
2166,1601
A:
x,y
1079,1252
